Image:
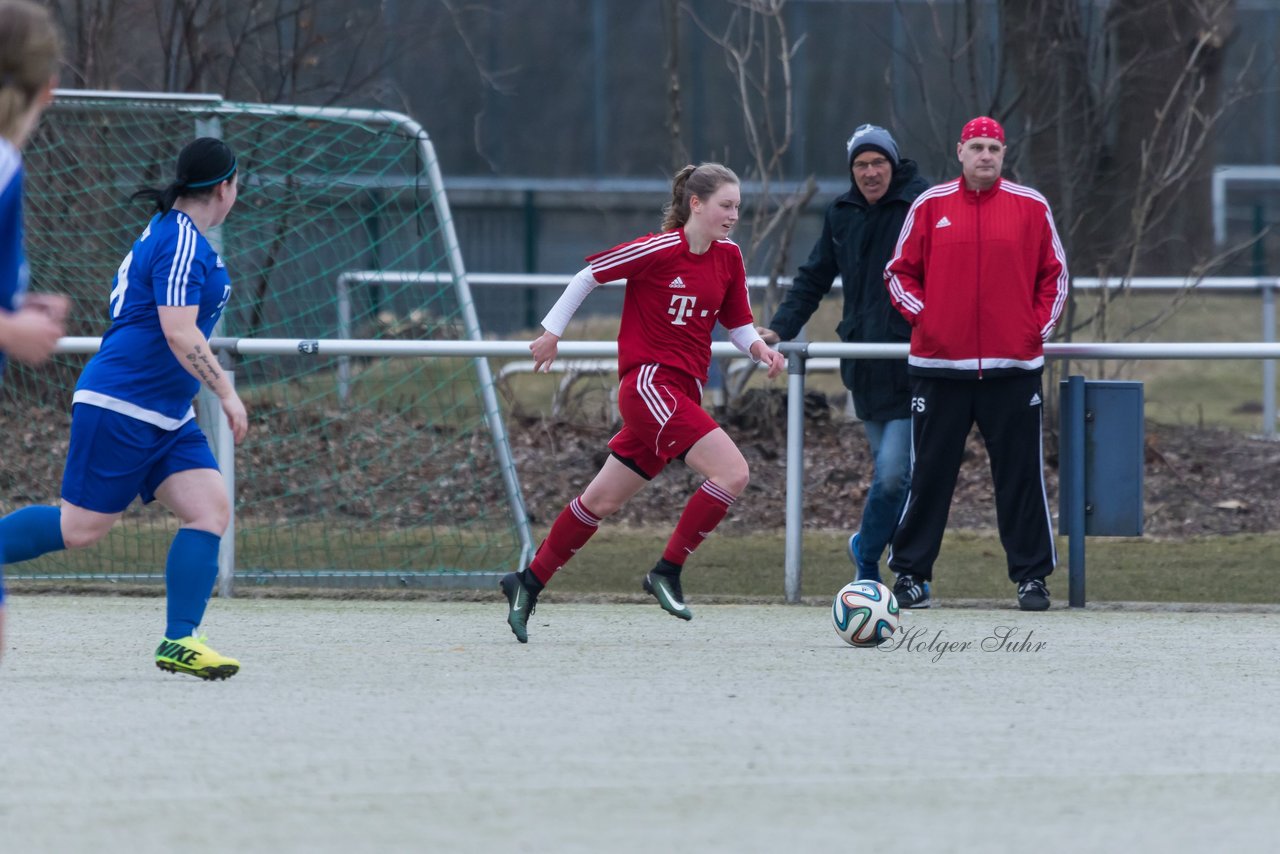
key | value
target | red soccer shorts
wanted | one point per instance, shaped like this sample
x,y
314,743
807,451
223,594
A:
x,y
662,417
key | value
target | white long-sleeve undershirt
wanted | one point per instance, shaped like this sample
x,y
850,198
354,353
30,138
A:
x,y
743,337
562,312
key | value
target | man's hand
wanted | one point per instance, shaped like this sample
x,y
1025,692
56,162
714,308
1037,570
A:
x,y
545,348
768,335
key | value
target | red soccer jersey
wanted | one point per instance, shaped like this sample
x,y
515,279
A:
x,y
673,299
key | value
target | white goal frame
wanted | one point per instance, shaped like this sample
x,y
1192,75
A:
x,y
206,110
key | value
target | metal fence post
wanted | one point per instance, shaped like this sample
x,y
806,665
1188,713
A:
x,y
795,470
344,331
1073,468
1269,365
214,423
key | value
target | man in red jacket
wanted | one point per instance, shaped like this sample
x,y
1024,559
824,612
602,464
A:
x,y
980,275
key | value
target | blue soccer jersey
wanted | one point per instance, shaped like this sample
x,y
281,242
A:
x,y
13,260
135,373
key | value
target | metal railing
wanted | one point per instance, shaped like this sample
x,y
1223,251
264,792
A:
x,y
797,355
1265,286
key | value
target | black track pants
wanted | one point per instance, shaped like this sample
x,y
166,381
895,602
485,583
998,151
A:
x,y
1009,413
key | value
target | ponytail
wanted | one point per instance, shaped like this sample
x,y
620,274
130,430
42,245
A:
x,y
701,181
162,199
676,212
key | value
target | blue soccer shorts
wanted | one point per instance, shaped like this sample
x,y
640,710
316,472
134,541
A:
x,y
114,458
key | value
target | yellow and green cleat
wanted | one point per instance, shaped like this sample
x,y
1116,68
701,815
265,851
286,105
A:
x,y
191,655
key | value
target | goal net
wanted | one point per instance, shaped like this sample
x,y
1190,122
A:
x,y
368,470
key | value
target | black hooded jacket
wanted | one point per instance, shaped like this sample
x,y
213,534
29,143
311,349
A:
x,y
857,242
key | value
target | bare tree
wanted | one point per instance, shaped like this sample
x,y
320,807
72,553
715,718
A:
x,y
1118,128
759,50
1127,160
90,29
671,25
275,51
317,51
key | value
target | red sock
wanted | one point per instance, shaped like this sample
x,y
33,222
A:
x,y
704,511
570,532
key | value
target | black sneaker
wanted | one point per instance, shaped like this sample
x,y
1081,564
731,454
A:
x,y
1033,595
911,592
663,584
522,602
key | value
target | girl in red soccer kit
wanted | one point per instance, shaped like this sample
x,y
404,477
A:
x,y
680,283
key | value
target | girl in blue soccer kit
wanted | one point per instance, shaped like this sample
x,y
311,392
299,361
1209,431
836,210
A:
x,y
133,429
30,51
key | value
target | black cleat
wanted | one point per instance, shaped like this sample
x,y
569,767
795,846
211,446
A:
x,y
664,585
522,602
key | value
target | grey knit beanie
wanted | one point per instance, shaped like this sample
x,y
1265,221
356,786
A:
x,y
872,136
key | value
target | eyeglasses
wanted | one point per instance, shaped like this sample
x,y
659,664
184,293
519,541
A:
x,y
870,165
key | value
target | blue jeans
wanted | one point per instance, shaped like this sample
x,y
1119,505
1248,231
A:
x,y
891,448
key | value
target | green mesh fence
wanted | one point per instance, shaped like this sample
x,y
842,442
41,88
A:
x,y
370,468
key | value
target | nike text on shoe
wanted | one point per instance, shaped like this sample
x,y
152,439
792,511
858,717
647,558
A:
x,y
522,604
1033,595
191,655
867,570
666,589
911,592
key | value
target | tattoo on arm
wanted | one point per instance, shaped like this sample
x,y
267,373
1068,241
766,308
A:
x,y
204,366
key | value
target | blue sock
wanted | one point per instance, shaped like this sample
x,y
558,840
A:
x,y
31,532
189,575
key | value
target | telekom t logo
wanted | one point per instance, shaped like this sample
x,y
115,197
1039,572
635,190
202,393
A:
x,y
681,307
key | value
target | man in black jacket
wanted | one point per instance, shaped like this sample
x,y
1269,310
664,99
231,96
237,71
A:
x,y
858,237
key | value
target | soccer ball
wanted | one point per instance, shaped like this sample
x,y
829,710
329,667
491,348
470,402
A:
x,y
865,613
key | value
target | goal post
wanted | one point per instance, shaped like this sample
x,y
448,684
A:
x,y
365,470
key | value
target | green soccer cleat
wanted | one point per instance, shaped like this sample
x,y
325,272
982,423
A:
x,y
665,587
191,655
522,603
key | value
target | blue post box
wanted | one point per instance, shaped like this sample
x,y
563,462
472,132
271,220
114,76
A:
x,y
1112,447
1100,459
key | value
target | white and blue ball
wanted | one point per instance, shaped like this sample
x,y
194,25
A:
x,y
865,613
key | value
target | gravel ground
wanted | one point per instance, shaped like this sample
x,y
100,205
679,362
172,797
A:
x,y
423,726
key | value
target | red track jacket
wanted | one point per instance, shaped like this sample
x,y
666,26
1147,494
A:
x,y
982,279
